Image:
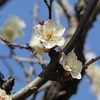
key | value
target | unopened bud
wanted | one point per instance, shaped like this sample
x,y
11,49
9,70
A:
x,y
66,73
41,22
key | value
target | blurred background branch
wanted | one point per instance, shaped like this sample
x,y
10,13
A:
x,y
3,2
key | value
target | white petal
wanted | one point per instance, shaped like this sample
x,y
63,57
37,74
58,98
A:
x,y
21,24
35,42
42,39
62,59
15,21
48,45
60,41
2,92
49,25
59,30
73,65
7,97
76,70
76,67
79,66
72,56
38,30
76,75
67,68
7,33
12,28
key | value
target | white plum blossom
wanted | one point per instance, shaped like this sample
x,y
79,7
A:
x,y
13,27
3,95
37,45
71,64
50,34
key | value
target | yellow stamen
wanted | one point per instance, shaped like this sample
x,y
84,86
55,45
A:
x,y
48,36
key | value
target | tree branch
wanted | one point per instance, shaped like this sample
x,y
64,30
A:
x,y
49,5
2,2
21,59
78,33
13,45
71,19
90,62
66,9
27,47
42,78
45,75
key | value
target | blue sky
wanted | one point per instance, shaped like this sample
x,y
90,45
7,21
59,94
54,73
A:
x,y
23,9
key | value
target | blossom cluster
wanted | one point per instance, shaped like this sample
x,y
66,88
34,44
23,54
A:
x,y
13,27
48,35
3,95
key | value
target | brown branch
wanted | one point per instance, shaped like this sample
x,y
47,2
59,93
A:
x,y
41,60
3,2
90,62
27,73
71,19
83,21
27,47
44,87
30,60
23,59
8,84
42,78
35,13
13,45
49,5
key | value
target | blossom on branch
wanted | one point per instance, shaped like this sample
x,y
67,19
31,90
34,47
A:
x,y
71,64
3,95
50,34
13,27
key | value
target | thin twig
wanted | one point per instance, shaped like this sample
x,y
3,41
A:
x,y
35,13
3,2
41,61
27,47
49,5
34,96
21,59
44,87
90,62
8,66
13,45
51,2
66,9
27,73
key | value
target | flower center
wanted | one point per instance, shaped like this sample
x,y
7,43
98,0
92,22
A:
x,y
48,36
